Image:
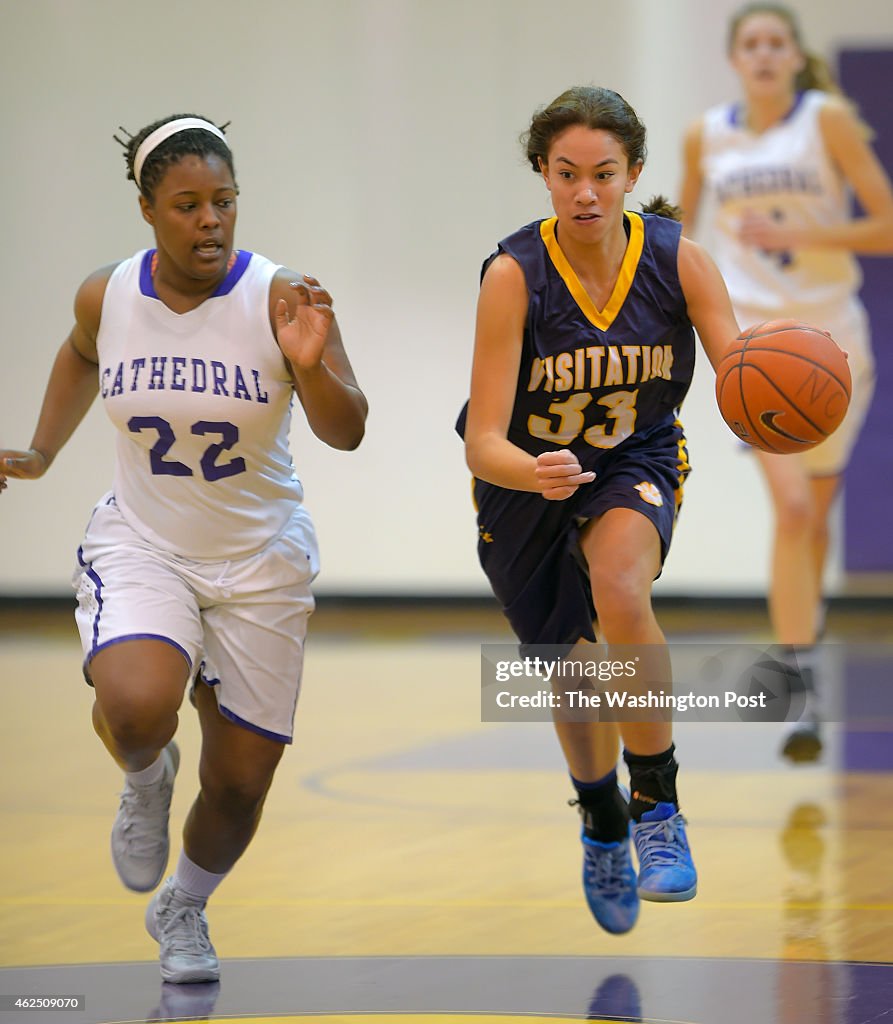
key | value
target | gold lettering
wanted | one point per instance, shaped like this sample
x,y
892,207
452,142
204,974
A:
x,y
579,369
614,369
564,378
631,354
595,354
537,374
657,358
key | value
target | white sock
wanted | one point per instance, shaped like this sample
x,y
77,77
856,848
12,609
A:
x,y
148,776
195,881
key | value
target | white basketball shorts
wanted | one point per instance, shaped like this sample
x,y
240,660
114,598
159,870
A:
x,y
240,625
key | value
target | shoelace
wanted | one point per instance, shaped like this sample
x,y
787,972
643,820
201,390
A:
x,y
184,930
661,843
608,870
144,807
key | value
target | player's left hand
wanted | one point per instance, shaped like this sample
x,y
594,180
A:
x,y
302,337
21,465
762,232
559,474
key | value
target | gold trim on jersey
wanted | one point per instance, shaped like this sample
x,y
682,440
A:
x,y
683,466
600,318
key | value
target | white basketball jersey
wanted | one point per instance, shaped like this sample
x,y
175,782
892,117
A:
x,y
202,403
786,174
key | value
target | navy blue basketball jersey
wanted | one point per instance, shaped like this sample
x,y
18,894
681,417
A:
x,y
590,379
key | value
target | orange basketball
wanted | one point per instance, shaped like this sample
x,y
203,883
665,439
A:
x,y
784,387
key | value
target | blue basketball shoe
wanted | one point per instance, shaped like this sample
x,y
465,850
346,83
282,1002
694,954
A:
x,y
666,871
609,882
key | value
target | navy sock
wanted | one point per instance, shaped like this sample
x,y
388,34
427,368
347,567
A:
x,y
604,812
802,660
652,780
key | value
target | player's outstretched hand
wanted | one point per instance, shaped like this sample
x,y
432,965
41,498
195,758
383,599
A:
x,y
302,337
559,474
27,465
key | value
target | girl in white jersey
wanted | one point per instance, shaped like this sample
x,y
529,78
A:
x,y
196,567
778,169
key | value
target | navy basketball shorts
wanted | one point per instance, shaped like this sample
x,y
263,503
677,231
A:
x,y
529,547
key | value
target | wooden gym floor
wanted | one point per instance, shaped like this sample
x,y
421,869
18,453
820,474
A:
x,y
417,864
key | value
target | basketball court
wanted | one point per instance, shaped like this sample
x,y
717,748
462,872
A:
x,y
416,864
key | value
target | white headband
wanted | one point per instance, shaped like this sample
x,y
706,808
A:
x,y
154,139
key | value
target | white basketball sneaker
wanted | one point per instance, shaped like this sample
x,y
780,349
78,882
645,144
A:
x,y
140,838
178,924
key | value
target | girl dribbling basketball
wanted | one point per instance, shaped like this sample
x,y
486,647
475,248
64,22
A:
x,y
584,350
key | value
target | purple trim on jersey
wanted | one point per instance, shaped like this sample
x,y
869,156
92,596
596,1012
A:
x,y
234,718
138,636
93,575
147,288
233,275
736,110
798,100
204,678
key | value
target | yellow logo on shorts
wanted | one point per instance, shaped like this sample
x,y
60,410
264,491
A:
x,y
650,493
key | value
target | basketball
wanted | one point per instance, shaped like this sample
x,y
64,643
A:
x,y
784,387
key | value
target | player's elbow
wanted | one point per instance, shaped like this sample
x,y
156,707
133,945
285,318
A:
x,y
353,442
351,437
473,459
477,454
344,434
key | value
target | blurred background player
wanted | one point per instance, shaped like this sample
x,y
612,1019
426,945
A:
x,y
779,168
196,567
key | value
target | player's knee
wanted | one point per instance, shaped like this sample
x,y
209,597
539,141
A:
x,y
614,584
236,802
139,687
620,599
138,726
796,514
821,534
238,798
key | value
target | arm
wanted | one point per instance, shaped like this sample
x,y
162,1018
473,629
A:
x,y
305,328
502,310
709,306
692,177
71,388
872,234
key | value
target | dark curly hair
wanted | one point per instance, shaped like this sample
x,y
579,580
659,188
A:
x,y
589,106
602,110
190,141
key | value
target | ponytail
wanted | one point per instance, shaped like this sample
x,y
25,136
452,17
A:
x,y
662,207
817,75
